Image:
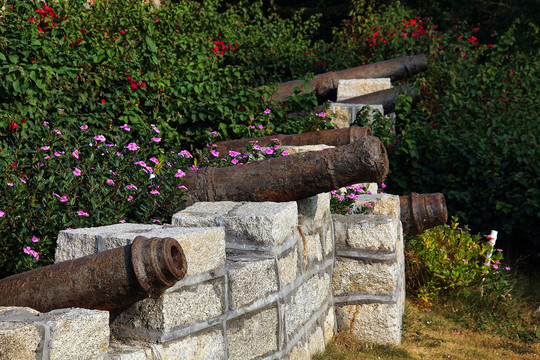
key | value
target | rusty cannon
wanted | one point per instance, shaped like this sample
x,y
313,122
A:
x,y
110,280
334,137
292,177
387,98
323,84
420,212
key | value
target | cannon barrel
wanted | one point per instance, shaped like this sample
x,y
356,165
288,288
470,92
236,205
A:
x,y
387,98
334,137
292,177
420,212
110,280
400,68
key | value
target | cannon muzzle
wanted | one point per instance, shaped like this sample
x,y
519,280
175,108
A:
x,y
420,212
110,280
395,69
334,137
292,177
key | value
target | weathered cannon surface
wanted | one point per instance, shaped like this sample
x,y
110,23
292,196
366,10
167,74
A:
x,y
292,177
420,212
334,137
400,68
110,280
387,98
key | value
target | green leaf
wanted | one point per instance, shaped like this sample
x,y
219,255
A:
x,y
151,44
14,58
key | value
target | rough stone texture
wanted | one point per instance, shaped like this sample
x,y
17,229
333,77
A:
x,y
174,309
383,204
370,233
134,351
246,224
316,341
328,241
307,299
341,115
19,341
305,148
78,334
253,335
357,87
361,276
378,324
329,325
299,352
288,267
208,345
315,208
312,252
251,279
76,243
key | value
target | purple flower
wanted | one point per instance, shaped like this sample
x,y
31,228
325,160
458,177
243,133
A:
x,y
132,147
77,172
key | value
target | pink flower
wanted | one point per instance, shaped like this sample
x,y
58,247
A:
x,y
57,131
495,266
321,114
45,123
84,127
75,153
131,186
45,147
35,239
22,180
260,127
132,147
156,139
110,181
57,154
155,128
383,185
122,221
180,173
256,147
77,172
64,198
193,167
125,127
154,160
99,138
269,151
214,152
352,196
2,213
507,268
285,153
155,192
10,184
234,161
267,111
82,213
130,198
185,154
233,153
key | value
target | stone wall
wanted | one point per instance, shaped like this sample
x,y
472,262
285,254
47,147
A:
x,y
264,280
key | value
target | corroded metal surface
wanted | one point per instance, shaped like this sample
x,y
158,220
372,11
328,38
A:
x,y
334,137
292,177
420,212
387,98
110,280
395,69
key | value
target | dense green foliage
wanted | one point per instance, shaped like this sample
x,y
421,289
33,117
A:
x,y
190,68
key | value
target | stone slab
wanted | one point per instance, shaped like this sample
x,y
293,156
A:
x,y
383,204
363,276
357,87
251,279
288,267
208,345
253,335
367,233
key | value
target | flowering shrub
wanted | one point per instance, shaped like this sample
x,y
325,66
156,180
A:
x,y
56,177
448,259
347,202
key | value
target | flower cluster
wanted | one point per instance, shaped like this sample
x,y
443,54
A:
x,y
348,201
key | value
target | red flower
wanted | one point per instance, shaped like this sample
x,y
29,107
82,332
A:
x,y
122,32
103,101
83,31
23,120
12,126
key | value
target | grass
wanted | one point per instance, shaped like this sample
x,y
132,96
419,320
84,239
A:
x,y
457,329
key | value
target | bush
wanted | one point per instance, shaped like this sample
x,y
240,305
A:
x,y
448,260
